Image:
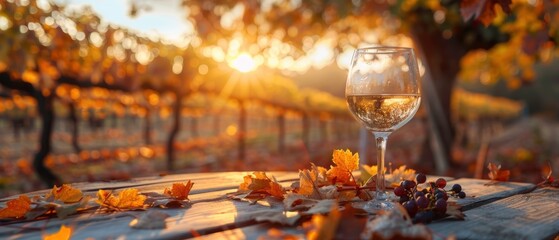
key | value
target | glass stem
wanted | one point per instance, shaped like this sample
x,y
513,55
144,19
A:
x,y
381,139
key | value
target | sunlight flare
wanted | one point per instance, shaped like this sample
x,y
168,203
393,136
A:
x,y
243,63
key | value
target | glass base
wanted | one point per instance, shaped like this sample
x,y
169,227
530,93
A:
x,y
376,206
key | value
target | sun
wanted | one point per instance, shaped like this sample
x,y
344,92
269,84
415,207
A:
x,y
243,63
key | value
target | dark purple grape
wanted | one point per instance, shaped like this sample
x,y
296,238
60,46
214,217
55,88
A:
x,y
404,198
425,191
441,183
418,194
420,178
408,185
456,188
422,202
411,207
440,206
461,194
441,195
399,191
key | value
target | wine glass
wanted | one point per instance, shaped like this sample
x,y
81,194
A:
x,y
383,94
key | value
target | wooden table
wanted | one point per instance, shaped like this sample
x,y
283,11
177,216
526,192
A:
x,y
499,211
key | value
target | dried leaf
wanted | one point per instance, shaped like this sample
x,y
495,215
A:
x,y
276,234
128,198
345,162
496,174
66,194
294,201
352,223
322,207
453,210
179,191
275,216
400,174
16,208
324,227
150,220
63,234
395,224
258,186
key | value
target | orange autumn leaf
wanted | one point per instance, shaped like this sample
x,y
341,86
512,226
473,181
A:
x,y
276,190
255,181
310,180
63,234
324,227
496,174
66,194
127,199
346,162
179,191
16,208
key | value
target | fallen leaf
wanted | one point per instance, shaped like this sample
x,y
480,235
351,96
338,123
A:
x,y
496,174
322,207
16,208
276,234
62,210
345,162
453,209
324,227
275,216
395,224
63,234
179,191
398,175
150,220
295,201
128,198
352,223
257,186
66,193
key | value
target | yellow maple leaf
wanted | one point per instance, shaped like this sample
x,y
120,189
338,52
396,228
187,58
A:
x,y
16,208
63,234
128,198
66,193
345,162
311,179
179,191
255,181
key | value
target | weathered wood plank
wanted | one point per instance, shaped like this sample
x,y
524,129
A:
x,y
210,212
533,215
204,182
479,188
479,191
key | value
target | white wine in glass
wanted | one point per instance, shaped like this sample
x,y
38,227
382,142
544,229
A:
x,y
383,93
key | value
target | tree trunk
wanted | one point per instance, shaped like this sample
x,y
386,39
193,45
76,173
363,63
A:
x,y
281,131
74,128
174,131
242,131
216,124
306,128
147,127
194,126
323,130
442,59
46,111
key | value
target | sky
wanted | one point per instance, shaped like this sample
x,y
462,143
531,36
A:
x,y
166,18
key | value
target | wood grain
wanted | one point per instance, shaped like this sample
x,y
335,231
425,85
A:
x,y
217,217
533,215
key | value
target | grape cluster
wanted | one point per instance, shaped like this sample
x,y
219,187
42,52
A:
x,y
423,205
